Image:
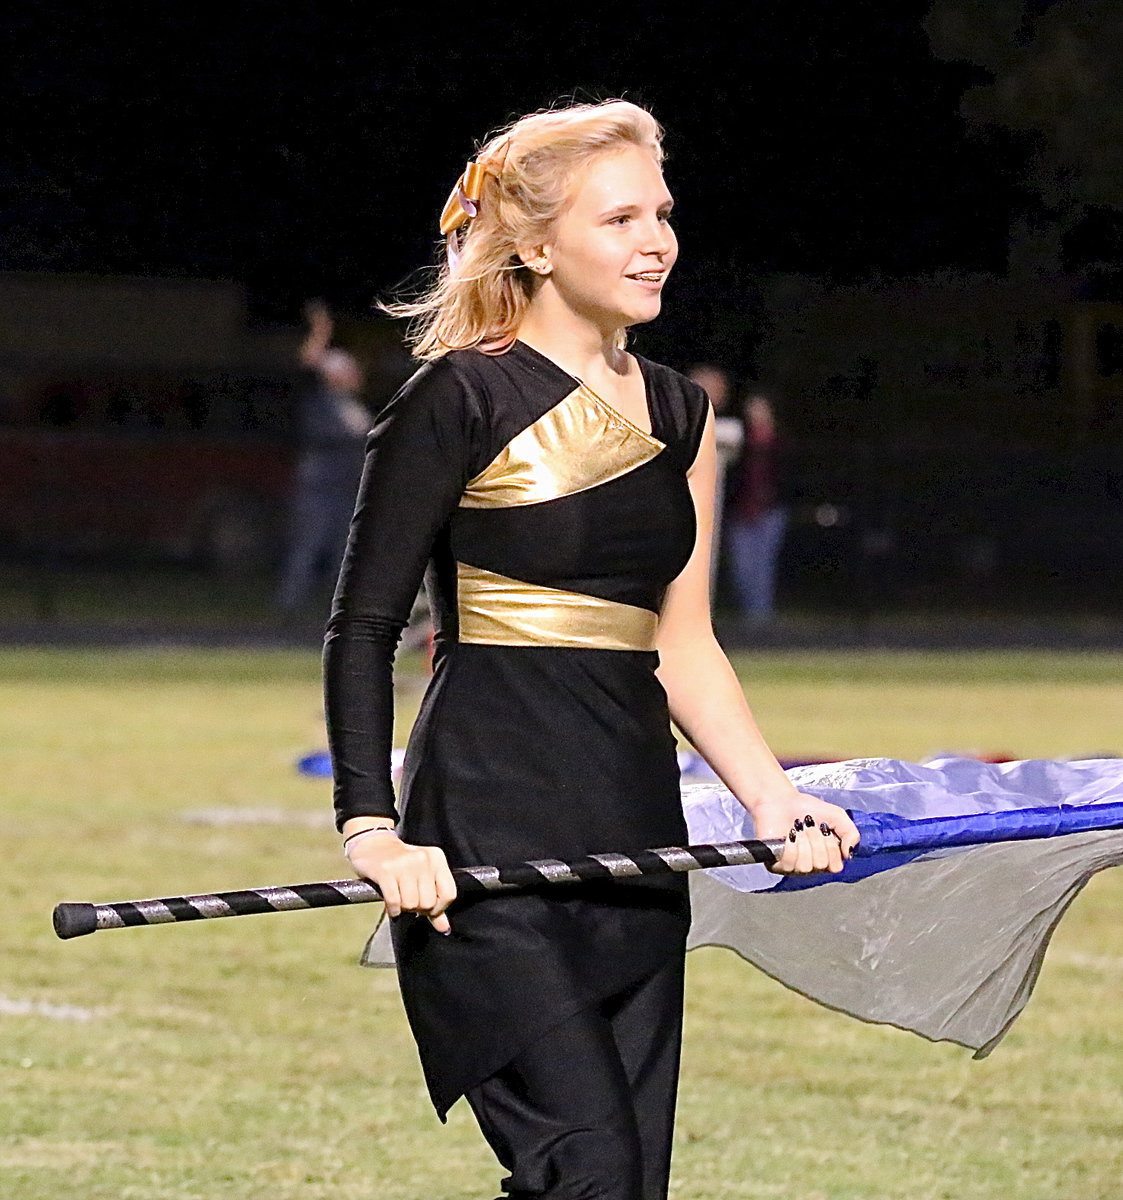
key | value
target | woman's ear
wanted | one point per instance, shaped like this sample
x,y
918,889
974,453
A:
x,y
536,258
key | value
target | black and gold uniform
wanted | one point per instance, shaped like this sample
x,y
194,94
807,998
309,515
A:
x,y
547,527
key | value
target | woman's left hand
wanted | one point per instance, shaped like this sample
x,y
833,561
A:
x,y
817,836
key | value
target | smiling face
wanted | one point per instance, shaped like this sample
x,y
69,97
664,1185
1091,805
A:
x,y
611,250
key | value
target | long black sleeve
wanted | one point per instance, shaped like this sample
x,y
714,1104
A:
x,y
419,457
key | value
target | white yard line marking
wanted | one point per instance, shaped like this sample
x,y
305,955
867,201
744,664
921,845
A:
x,y
10,1007
1092,962
256,816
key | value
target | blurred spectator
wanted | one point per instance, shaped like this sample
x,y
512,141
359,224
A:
x,y
714,381
757,519
332,427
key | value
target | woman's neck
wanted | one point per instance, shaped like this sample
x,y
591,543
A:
x,y
575,344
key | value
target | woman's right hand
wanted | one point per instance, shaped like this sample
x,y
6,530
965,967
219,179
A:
x,y
410,878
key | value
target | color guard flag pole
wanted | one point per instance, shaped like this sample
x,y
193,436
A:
x,y
74,920
880,833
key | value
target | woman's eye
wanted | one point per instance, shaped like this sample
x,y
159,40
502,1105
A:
x,y
624,218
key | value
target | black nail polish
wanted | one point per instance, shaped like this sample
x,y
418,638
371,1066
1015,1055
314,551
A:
x,y
824,829
791,836
809,822
797,825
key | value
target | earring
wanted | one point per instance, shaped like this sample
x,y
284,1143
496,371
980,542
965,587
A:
x,y
539,268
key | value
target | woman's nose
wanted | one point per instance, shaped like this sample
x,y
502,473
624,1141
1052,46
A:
x,y
658,238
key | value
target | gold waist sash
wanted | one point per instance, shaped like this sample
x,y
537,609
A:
x,y
499,611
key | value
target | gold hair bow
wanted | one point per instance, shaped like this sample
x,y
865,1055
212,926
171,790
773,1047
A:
x,y
464,200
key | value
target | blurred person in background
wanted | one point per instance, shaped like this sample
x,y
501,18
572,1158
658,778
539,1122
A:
x,y
715,382
332,425
757,519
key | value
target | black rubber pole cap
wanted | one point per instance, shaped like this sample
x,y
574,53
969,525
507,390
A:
x,y
74,920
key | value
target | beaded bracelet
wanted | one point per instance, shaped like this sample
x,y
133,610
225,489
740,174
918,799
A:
x,y
359,833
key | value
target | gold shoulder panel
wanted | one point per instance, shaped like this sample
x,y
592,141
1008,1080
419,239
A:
x,y
581,442
499,611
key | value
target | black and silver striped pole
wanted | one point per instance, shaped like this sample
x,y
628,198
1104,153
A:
x,y
74,920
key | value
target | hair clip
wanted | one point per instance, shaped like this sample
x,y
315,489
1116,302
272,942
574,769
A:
x,y
464,200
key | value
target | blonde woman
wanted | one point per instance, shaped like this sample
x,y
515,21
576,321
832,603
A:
x,y
556,494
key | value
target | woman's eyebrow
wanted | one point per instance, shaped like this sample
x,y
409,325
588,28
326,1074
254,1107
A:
x,y
620,209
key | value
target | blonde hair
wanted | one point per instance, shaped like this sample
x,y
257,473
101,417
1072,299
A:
x,y
481,299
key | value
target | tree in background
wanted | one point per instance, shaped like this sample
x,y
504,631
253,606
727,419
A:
x,y
1055,79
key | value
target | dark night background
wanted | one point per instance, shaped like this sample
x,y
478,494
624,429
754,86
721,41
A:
x,y
907,218
307,150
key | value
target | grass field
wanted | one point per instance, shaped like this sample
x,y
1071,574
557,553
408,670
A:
x,y
253,1059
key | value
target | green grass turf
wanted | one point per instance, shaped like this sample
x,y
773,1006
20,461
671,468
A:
x,y
251,1058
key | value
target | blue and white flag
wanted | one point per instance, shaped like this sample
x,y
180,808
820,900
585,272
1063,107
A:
x,y
946,942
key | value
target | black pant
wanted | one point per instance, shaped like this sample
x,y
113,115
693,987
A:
x,y
586,1112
